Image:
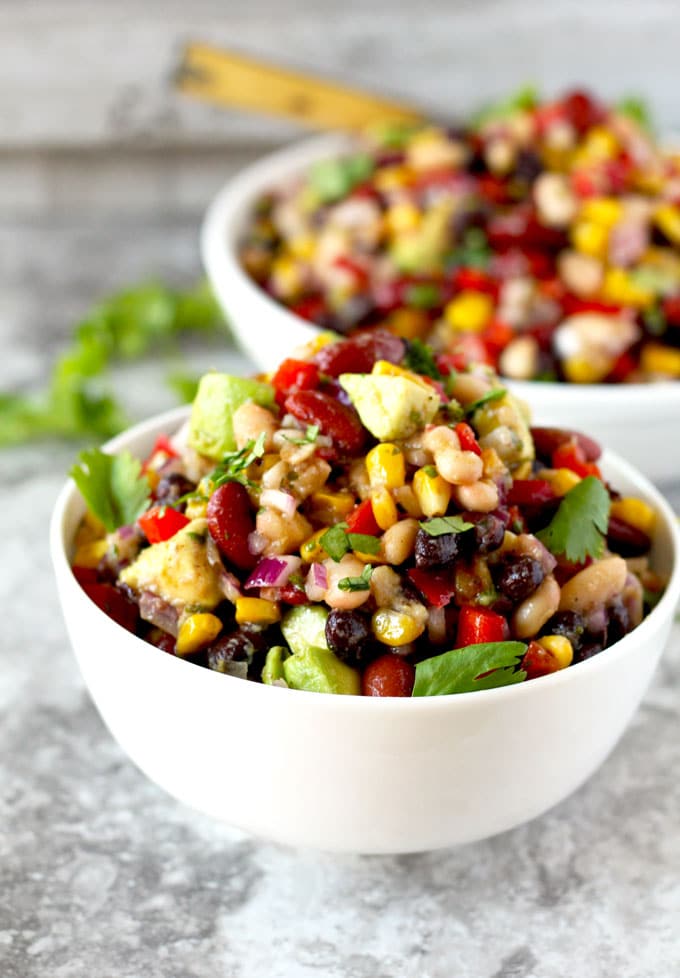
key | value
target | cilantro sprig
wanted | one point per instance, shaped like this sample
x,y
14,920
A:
x,y
337,542
578,528
420,359
495,394
112,486
361,583
233,466
484,666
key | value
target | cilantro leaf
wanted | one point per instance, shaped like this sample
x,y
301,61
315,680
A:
x,y
495,394
333,179
420,359
112,486
337,542
234,464
364,543
309,437
357,583
440,525
578,527
474,667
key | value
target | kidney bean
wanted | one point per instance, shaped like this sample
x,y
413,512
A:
x,y
358,354
349,635
547,440
389,675
338,421
114,604
625,539
230,521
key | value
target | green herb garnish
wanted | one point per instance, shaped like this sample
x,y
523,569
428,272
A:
x,y
475,667
362,583
309,437
420,359
637,110
337,542
233,466
441,525
112,486
332,180
495,394
578,528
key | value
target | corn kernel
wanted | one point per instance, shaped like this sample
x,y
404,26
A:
x,y
384,508
600,144
635,512
656,358
581,370
385,466
590,238
257,611
469,312
196,509
153,478
303,246
619,288
409,324
432,491
383,368
667,218
90,529
395,628
330,507
311,550
560,648
561,480
402,217
89,554
287,277
602,210
196,632
388,178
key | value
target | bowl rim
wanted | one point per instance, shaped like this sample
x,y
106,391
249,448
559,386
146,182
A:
x,y
224,222
169,421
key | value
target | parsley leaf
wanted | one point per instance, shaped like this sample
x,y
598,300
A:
x,y
112,486
495,394
337,542
234,464
440,525
420,359
578,527
357,583
474,667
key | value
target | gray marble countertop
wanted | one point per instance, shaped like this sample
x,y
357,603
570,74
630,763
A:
x,y
103,876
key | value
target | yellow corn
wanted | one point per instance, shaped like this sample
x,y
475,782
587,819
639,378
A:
x,y
602,210
303,246
384,508
590,238
494,466
90,529
89,554
656,358
307,350
395,628
330,507
153,478
635,512
196,632
311,550
402,217
257,611
432,491
383,368
581,370
619,288
561,480
469,312
667,218
287,277
600,144
385,466
388,178
560,648
409,324
196,509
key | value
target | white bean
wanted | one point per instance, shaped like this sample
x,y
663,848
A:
x,y
480,497
594,585
398,541
349,566
534,611
459,468
249,421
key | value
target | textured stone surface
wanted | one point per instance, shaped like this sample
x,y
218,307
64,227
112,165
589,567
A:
x,y
103,876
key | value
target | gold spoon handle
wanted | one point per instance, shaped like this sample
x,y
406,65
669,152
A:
x,y
233,80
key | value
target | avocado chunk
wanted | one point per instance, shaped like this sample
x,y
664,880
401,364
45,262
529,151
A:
x,y
423,249
510,415
211,431
304,626
273,665
391,406
320,671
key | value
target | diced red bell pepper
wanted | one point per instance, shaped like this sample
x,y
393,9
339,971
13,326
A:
x,y
161,522
570,455
624,367
572,304
475,280
353,268
161,446
478,625
497,335
467,438
437,587
294,375
670,307
362,520
584,183
530,492
537,661
293,594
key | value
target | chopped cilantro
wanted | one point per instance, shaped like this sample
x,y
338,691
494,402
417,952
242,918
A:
x,y
441,525
309,437
357,583
423,295
337,542
233,466
495,394
578,528
112,486
420,359
474,667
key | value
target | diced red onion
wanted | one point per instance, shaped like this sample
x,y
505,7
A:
x,y
316,584
277,499
158,612
273,571
229,584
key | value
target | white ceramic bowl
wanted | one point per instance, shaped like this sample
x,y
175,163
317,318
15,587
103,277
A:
x,y
350,773
640,421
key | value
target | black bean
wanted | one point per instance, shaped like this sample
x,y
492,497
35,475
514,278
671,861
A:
x,y
172,487
618,622
438,551
569,624
349,635
587,651
488,533
528,165
236,647
517,576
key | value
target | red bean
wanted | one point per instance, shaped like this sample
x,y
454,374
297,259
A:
x,y
625,539
114,604
230,521
546,440
358,354
390,675
338,421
